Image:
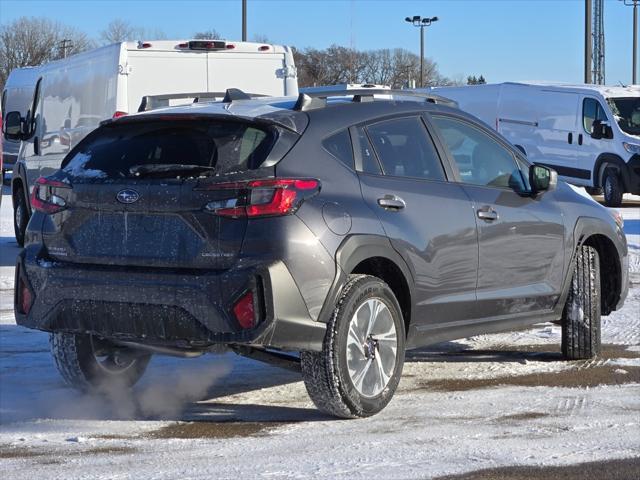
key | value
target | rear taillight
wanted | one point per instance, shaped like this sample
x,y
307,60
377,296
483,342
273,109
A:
x,y
25,299
204,45
44,197
119,114
264,198
244,311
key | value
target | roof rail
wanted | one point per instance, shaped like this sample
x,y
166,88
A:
x,y
307,102
359,95
233,94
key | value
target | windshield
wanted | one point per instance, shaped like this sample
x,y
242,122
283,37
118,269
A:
x,y
626,111
184,148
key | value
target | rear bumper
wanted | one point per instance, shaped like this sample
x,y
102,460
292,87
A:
x,y
184,309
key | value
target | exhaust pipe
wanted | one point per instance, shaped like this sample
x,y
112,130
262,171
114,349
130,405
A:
x,y
161,350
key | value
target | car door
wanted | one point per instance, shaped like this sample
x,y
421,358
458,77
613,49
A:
x,y
428,219
520,236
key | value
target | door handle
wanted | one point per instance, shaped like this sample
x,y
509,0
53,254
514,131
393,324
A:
x,y
391,202
570,138
580,139
488,214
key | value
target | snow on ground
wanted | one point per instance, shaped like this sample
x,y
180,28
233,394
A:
x,y
483,402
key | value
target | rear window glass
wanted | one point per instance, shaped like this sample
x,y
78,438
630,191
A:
x,y
120,151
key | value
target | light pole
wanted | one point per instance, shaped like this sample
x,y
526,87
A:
x,y
244,20
634,4
418,21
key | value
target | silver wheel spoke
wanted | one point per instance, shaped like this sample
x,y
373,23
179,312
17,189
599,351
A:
x,y
372,345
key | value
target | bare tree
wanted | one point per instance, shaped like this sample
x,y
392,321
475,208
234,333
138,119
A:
x,y
33,41
211,34
120,30
260,38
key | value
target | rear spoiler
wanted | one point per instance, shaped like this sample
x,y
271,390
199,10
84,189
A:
x,y
318,98
153,102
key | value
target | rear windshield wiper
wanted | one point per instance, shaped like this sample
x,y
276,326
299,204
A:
x,y
164,168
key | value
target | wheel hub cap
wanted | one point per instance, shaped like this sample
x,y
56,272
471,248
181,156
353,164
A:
x,y
372,345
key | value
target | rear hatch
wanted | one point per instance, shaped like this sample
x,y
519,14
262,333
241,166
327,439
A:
x,y
142,193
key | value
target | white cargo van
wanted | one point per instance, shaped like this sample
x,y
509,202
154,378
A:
x,y
16,96
70,97
589,134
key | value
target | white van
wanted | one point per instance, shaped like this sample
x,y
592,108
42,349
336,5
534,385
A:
x,y
16,96
72,96
590,134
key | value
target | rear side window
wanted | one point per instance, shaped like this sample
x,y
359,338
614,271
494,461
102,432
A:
x,y
118,151
405,149
339,145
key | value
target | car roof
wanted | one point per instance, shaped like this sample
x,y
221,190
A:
x,y
337,112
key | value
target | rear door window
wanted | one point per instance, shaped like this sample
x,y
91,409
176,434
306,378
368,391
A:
x,y
405,149
119,151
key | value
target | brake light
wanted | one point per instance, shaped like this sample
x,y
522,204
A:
x,y
230,46
244,311
119,114
263,48
44,198
26,299
204,45
264,198
144,45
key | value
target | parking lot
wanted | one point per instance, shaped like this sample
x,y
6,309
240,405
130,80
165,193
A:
x,y
487,402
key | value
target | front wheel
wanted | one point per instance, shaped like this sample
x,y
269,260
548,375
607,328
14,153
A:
x,y
581,315
613,188
86,362
359,367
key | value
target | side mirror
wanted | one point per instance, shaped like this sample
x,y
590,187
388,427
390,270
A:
x,y
13,126
542,178
600,129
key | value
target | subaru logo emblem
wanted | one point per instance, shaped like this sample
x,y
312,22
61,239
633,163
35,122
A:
x,y
127,196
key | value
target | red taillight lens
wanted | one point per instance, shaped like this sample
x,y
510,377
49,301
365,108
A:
x,y
244,311
144,45
26,299
268,198
119,114
44,197
264,48
230,46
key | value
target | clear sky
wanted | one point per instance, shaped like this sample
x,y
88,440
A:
x,y
501,39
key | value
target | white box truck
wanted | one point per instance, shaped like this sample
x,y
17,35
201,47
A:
x,y
70,97
590,134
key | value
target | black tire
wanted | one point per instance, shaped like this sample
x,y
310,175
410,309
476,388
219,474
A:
x,y
613,188
581,315
326,374
76,358
20,215
593,191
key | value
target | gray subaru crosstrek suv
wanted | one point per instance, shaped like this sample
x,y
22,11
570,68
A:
x,y
328,234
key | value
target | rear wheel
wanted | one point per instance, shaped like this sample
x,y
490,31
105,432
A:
x,y
613,188
581,315
86,362
359,367
20,215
